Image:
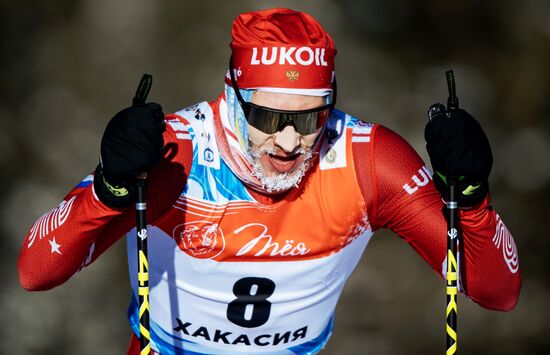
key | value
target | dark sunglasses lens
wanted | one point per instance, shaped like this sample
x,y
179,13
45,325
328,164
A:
x,y
264,120
308,123
322,117
305,123
271,122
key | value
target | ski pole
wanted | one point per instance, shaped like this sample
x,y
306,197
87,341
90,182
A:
x,y
141,228
451,313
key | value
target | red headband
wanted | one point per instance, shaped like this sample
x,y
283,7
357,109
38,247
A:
x,y
281,48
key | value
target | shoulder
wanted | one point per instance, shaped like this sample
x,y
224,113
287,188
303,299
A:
x,y
397,164
358,130
365,131
384,153
183,124
341,122
390,142
195,113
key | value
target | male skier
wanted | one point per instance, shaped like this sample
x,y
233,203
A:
x,y
261,202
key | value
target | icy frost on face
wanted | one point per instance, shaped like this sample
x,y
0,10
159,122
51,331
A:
x,y
279,182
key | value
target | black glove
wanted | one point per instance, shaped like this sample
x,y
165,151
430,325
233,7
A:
x,y
458,148
131,145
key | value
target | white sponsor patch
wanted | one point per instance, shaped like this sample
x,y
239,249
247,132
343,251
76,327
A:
x,y
201,120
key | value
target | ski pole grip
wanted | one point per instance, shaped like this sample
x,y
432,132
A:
x,y
452,101
143,90
140,97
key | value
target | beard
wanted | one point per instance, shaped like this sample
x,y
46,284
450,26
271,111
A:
x,y
280,181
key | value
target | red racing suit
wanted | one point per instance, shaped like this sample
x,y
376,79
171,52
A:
x,y
222,244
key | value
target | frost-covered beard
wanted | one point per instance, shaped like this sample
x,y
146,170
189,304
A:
x,y
279,182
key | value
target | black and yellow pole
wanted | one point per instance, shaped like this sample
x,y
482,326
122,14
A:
x,y
141,228
452,270
451,313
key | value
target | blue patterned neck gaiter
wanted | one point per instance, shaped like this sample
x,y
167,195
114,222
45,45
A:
x,y
236,114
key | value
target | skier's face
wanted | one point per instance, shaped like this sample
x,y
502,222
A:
x,y
281,159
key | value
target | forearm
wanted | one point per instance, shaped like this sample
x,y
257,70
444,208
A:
x,y
489,267
83,227
491,275
64,240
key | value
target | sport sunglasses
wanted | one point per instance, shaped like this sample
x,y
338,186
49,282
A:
x,y
270,121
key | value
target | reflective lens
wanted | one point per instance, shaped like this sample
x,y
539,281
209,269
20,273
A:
x,y
271,121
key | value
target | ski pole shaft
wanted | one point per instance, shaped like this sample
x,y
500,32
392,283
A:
x,y
452,270
141,228
143,270
451,313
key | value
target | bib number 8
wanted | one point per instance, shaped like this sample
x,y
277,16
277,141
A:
x,y
251,308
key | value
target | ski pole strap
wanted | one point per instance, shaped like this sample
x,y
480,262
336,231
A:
x,y
451,313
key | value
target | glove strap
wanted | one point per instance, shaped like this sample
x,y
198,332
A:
x,y
113,196
469,194
118,191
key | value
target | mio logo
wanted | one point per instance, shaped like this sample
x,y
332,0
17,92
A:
x,y
425,177
264,243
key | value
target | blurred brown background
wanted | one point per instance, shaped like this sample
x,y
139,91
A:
x,y
68,66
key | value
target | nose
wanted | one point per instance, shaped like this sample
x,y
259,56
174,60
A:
x,y
287,139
